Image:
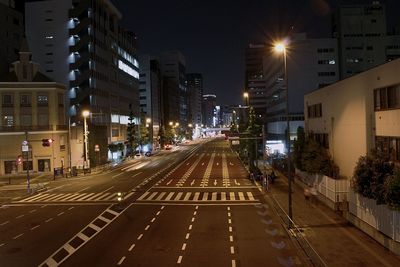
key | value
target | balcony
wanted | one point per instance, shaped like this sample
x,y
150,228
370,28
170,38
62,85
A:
x,y
83,59
80,79
81,26
82,42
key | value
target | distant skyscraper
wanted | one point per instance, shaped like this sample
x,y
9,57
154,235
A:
x,y
209,110
195,92
12,31
174,91
81,44
254,78
361,31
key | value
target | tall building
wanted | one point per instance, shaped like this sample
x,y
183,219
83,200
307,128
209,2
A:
x,y
311,64
12,31
195,92
31,109
80,43
362,36
254,78
150,93
209,110
174,90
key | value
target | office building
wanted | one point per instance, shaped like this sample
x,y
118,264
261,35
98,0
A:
x,y
80,43
209,110
195,97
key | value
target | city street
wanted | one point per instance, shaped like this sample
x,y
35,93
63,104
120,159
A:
x,y
192,206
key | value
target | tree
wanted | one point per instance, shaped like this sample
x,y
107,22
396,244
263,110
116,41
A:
x,y
298,146
143,137
392,189
115,147
131,135
252,132
315,159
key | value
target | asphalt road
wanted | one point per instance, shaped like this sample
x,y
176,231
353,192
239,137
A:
x,y
192,206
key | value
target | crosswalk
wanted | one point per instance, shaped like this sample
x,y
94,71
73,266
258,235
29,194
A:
x,y
74,197
197,196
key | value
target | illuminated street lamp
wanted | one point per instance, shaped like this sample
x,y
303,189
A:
x,y
85,114
246,98
281,47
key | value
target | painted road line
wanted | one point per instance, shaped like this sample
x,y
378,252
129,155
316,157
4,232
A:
x,y
83,189
192,183
95,227
183,246
214,196
144,195
233,263
194,213
20,216
231,238
4,223
152,195
190,227
121,260
250,196
231,196
2,244
241,196
193,219
170,181
114,176
136,174
34,227
161,196
32,211
178,196
229,221
140,237
187,236
229,214
196,196
186,198
179,260
29,199
131,247
17,236
61,213
49,219
205,196
230,228
152,220
223,196
147,227
232,250
83,236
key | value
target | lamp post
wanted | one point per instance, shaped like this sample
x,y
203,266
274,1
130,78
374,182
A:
x,y
246,98
85,114
281,47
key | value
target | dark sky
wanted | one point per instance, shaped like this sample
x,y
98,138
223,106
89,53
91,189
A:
x,y
212,35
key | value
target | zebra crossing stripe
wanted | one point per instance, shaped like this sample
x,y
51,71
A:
x,y
214,196
205,196
72,198
169,196
223,196
144,195
241,196
178,196
196,196
161,195
46,198
232,196
250,195
187,196
87,196
32,198
153,195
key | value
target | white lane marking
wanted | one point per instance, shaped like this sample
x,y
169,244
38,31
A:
x,y
17,236
20,216
140,237
131,247
178,196
121,260
69,248
229,221
192,183
241,196
232,196
147,227
83,237
187,236
229,214
190,227
196,196
194,213
34,227
70,208
170,181
179,260
117,175
4,223
231,238
250,195
205,196
223,196
49,219
232,250
43,206
161,196
184,246
61,213
32,211
83,189
186,198
214,196
152,220
233,263
230,228
158,213
2,244
107,189
169,196
193,219
136,174
144,195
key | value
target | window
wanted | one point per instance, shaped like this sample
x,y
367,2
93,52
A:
x,y
388,146
26,120
25,100
314,111
8,120
42,100
322,139
7,100
115,132
387,98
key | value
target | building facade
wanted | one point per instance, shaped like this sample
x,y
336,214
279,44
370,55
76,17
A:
x,y
362,36
195,96
32,109
80,43
311,64
209,110
255,83
12,25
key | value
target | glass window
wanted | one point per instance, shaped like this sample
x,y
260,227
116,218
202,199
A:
x,y
8,100
42,100
25,100
8,120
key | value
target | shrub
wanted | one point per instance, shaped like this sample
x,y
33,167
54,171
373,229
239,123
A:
x,y
392,189
316,159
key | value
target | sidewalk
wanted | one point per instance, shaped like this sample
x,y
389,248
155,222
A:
x,y
337,242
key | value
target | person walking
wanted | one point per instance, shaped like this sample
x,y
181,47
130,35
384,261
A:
x,y
307,194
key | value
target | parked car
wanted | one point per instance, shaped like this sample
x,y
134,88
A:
x,y
147,154
168,147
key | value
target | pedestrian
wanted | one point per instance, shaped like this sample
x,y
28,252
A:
x,y
273,177
314,193
264,181
252,177
307,194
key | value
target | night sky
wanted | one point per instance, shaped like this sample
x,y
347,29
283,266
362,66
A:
x,y
212,35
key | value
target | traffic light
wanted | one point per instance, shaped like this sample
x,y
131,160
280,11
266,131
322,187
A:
x,y
47,142
19,160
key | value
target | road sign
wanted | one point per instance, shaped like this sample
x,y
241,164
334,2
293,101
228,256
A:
x,y
25,143
25,148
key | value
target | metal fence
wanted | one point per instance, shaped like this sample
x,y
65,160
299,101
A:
x,y
380,217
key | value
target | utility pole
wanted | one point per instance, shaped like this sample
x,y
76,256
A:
x,y
27,165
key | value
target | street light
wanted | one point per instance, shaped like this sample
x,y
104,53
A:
x,y
85,114
246,97
281,47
